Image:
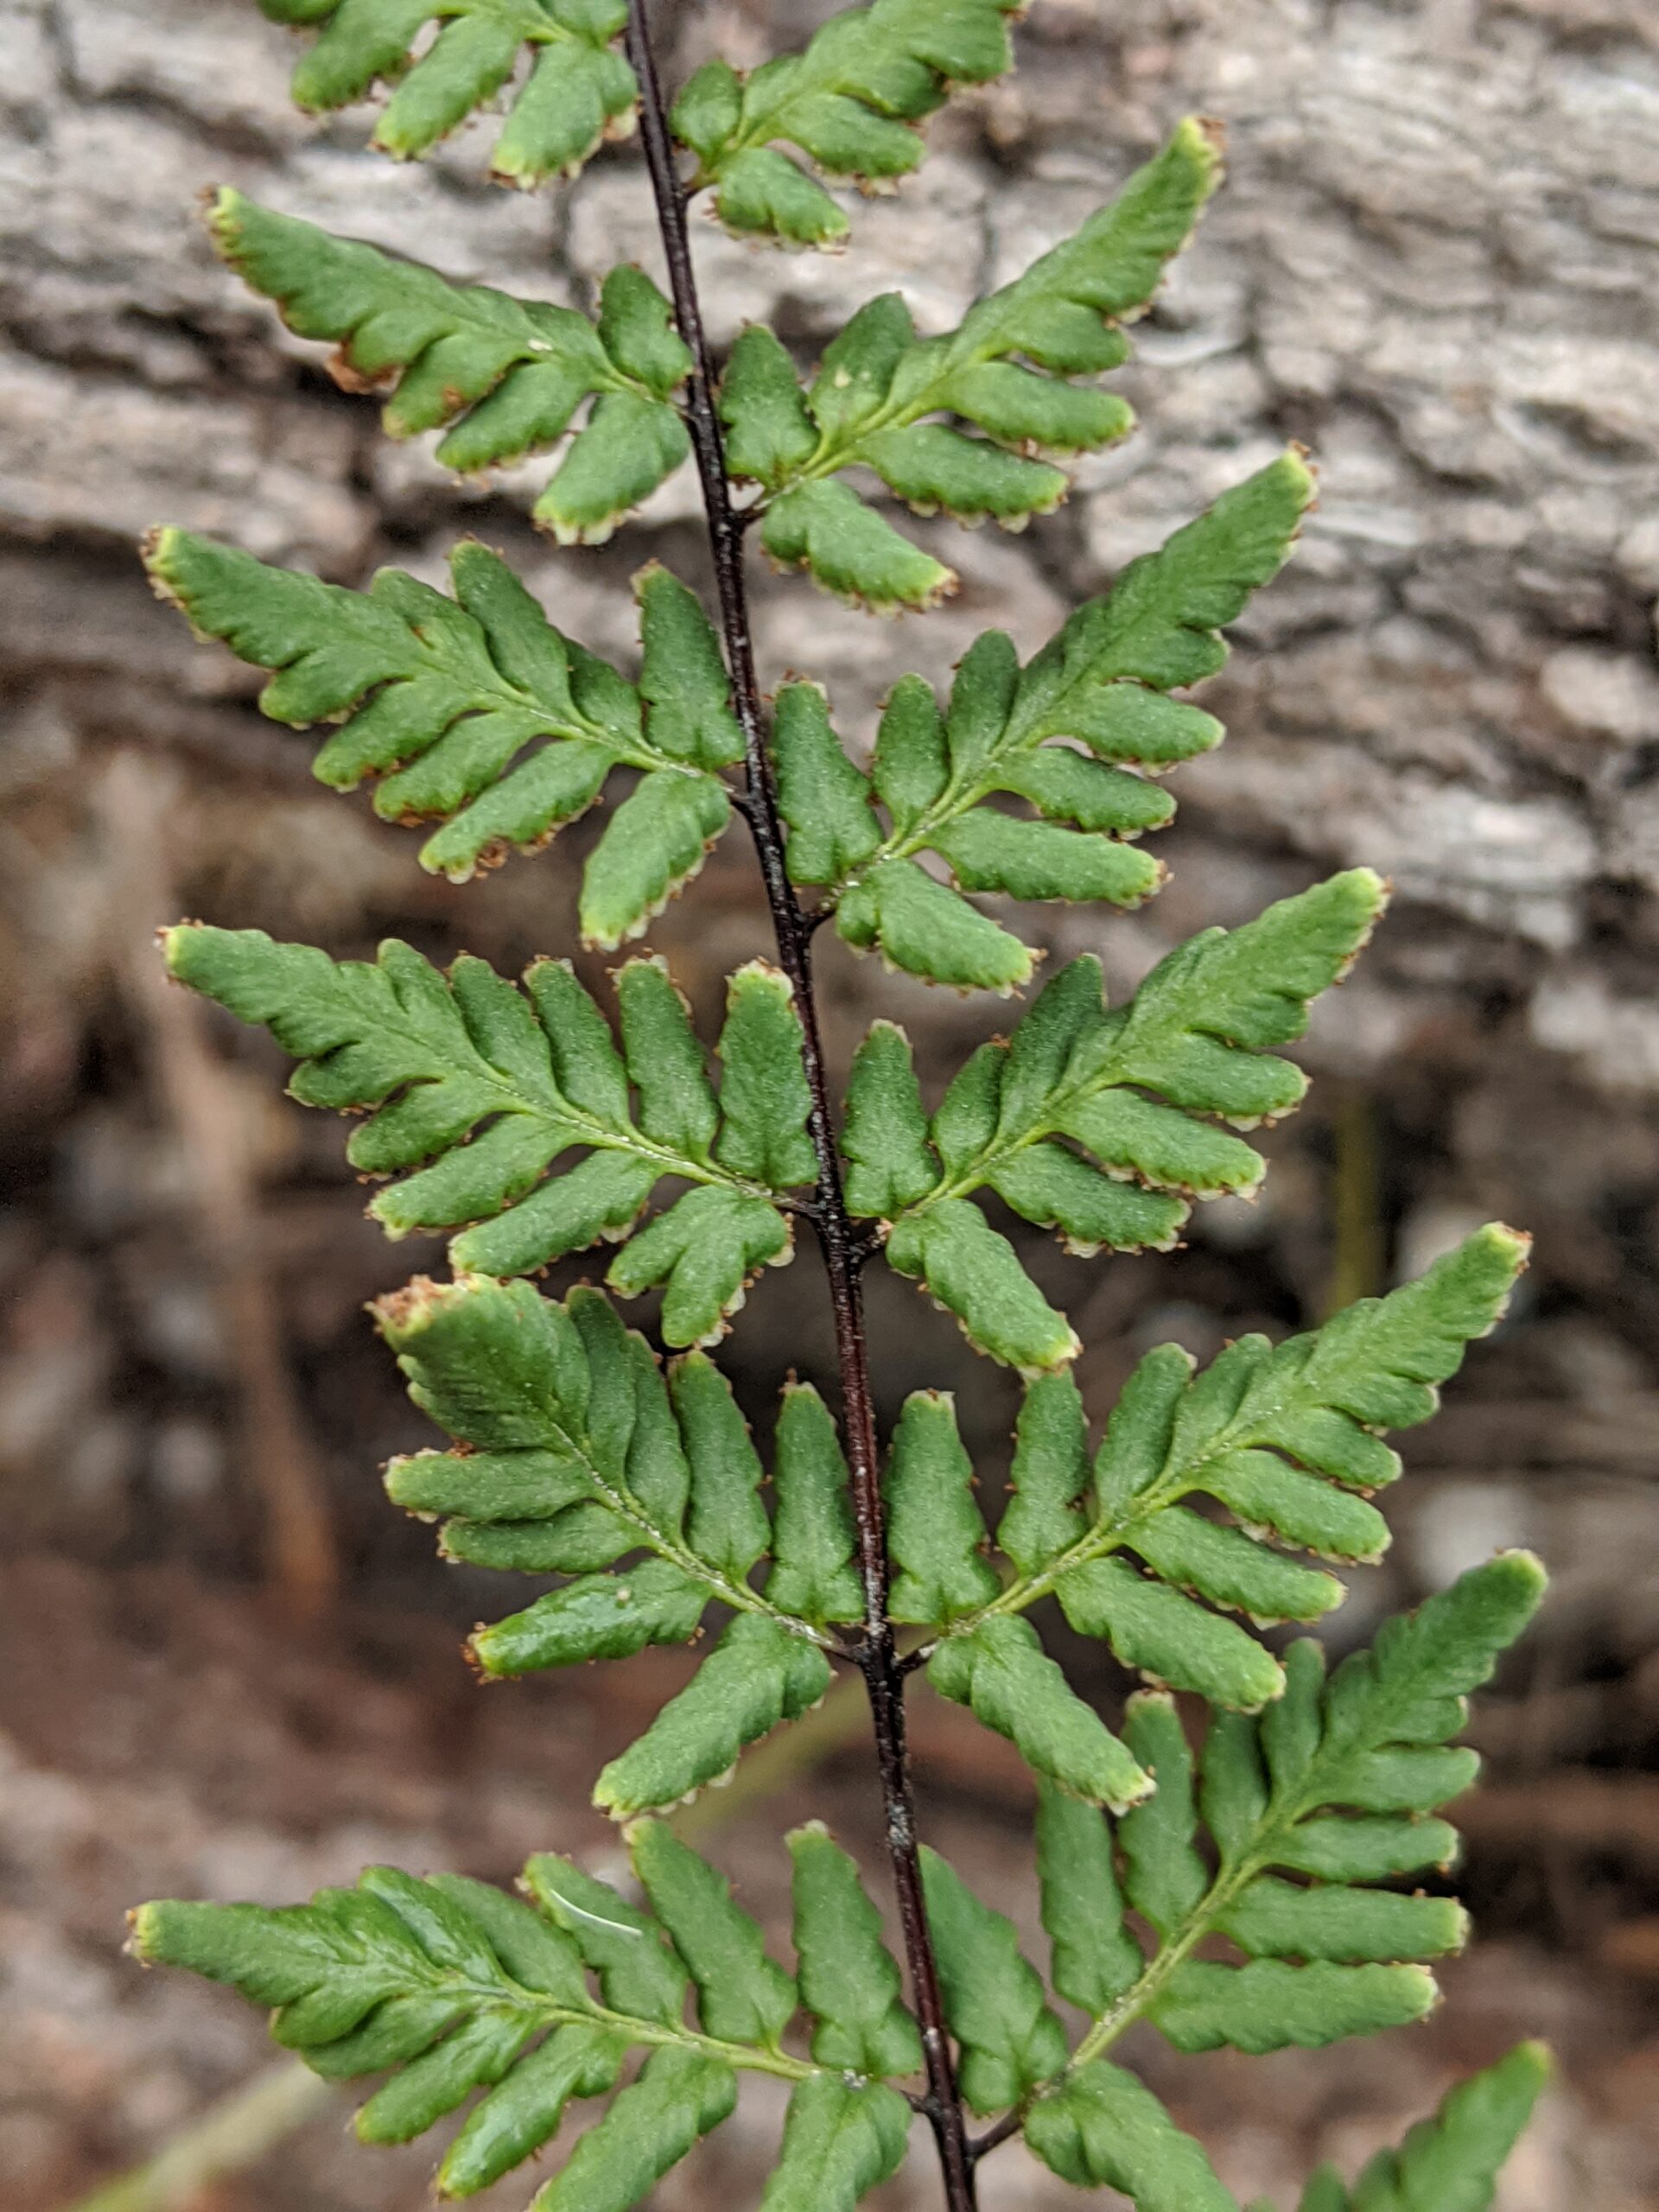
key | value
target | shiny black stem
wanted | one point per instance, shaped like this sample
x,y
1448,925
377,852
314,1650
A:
x,y
845,1248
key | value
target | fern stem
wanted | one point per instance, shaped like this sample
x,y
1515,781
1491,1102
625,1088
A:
x,y
878,1656
1232,1876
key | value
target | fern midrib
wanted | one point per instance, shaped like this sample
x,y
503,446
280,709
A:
x,y
809,77
557,723
832,456
609,379
627,753
1232,1876
510,1995
530,19
474,303
1099,1542
738,1595
837,450
561,1113
527,17
962,793
1176,1950
883,1682
1105,1537
978,1171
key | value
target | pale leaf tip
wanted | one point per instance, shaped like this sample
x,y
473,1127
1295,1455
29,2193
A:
x,y
1144,1786
174,941
1515,1245
1534,2057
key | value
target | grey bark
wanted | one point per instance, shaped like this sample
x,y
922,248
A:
x,y
1434,263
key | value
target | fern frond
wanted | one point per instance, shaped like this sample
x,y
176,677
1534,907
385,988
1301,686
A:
x,y
1287,1439
1252,1881
1010,2038
573,1452
1449,2162
847,1976
502,377
479,1086
943,778
937,1541
1308,1812
610,1463
1087,1120
477,713
460,1987
759,1674
879,390
849,100
1103,2129
839,2141
570,1453
579,90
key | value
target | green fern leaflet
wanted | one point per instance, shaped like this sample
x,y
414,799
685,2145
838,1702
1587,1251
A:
x,y
1251,1850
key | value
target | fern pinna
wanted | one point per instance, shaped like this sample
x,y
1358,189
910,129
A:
x,y
1237,1859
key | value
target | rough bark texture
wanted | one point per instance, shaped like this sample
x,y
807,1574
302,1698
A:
x,y
1434,262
